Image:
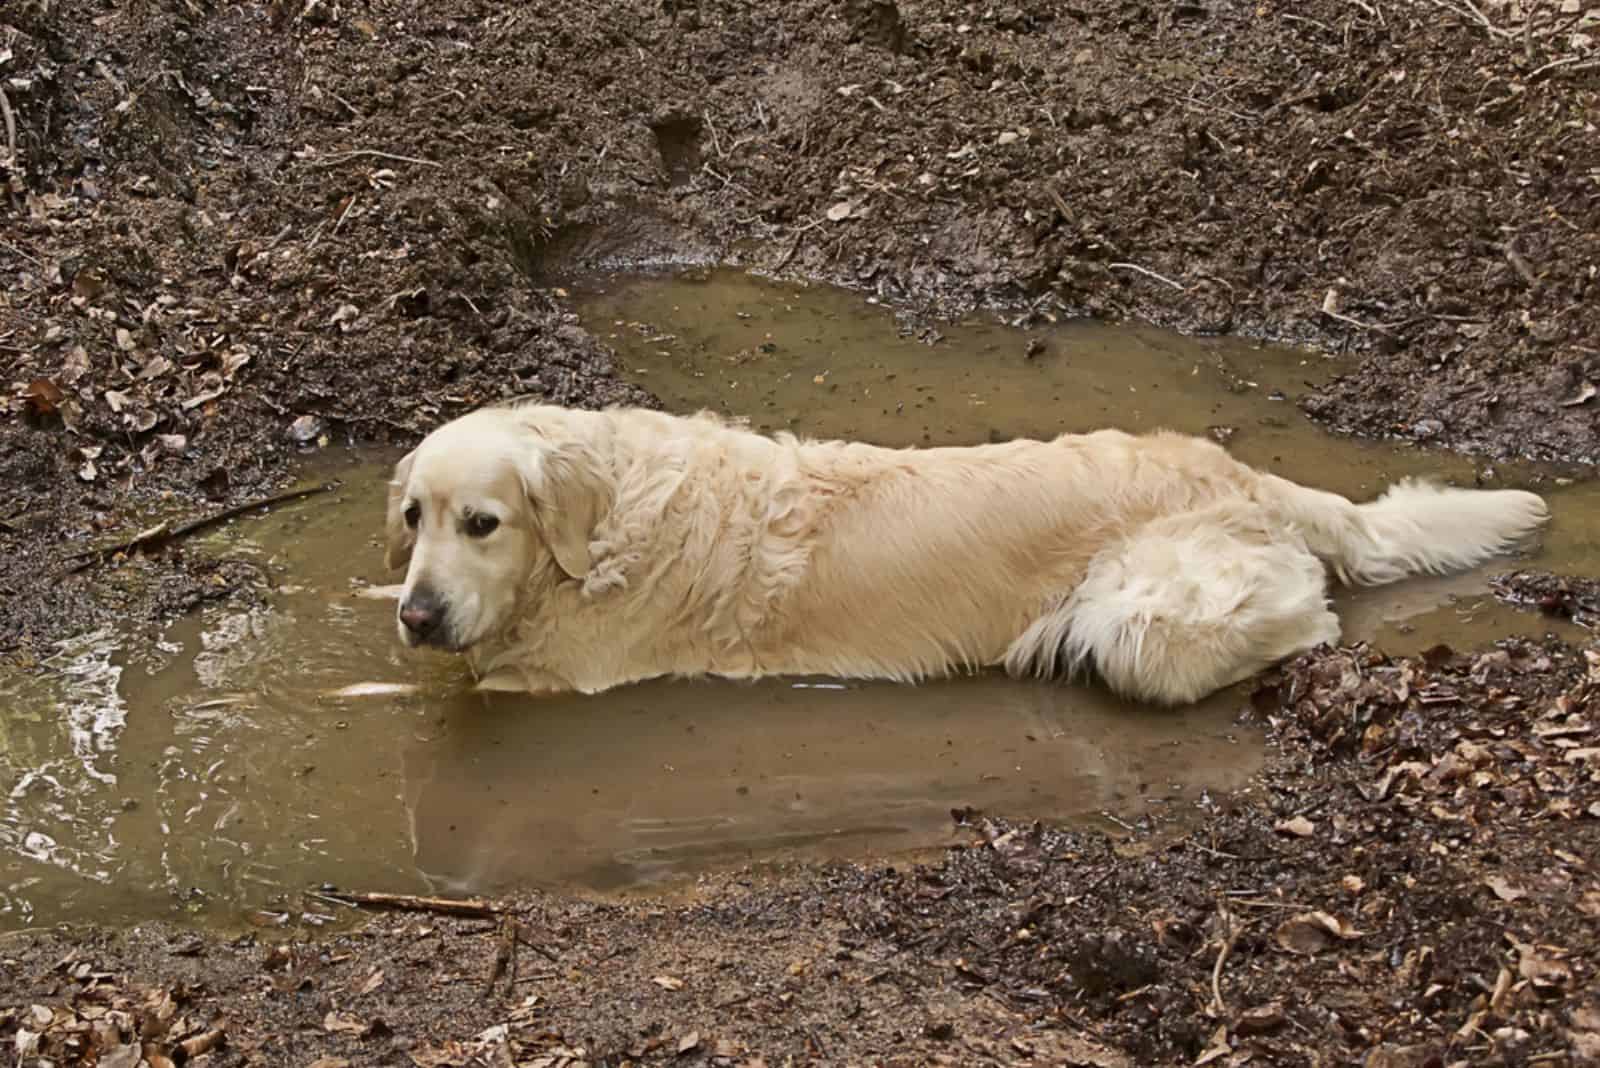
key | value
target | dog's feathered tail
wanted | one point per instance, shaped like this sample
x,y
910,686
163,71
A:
x,y
1415,528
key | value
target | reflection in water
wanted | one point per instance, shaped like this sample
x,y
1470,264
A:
x,y
657,780
250,753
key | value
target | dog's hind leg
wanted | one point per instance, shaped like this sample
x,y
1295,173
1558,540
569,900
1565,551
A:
x,y
1184,606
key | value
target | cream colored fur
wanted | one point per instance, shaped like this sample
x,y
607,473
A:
x,y
634,544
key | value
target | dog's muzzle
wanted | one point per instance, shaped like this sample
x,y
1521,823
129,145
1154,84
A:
x,y
422,616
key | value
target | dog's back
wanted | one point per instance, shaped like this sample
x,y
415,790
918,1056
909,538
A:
x,y
1159,560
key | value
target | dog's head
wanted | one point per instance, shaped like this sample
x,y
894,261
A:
x,y
483,510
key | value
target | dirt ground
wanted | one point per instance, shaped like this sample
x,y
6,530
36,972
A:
x,y
233,231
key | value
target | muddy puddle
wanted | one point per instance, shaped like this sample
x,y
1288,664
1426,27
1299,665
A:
x,y
208,772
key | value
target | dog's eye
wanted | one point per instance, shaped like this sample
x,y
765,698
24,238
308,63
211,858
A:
x,y
480,525
413,514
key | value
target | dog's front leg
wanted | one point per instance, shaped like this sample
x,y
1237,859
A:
x,y
518,680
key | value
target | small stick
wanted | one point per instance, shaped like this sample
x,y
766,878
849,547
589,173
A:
x,y
1364,6
1149,274
345,214
505,956
11,130
1061,206
1479,15
349,106
162,533
471,907
715,142
1521,266
525,936
1553,64
1354,322
345,157
1219,1006
794,246
1124,824
14,250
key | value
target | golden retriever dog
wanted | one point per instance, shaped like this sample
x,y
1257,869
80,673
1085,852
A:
x,y
566,550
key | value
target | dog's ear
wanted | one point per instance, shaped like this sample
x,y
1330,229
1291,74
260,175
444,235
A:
x,y
398,537
570,495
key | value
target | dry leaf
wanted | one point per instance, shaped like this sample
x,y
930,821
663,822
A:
x,y
1218,1048
1353,883
840,211
689,1043
329,1062
450,1055
76,365
1585,394
1504,890
345,317
127,1056
232,361
1545,973
342,1024
374,981
1261,1020
1312,932
667,982
1298,826
43,395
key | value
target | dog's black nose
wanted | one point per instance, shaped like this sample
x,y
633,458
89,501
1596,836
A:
x,y
421,613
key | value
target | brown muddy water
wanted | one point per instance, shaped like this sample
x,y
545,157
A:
x,y
210,772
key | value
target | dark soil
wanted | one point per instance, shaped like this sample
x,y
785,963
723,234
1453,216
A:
x,y
231,232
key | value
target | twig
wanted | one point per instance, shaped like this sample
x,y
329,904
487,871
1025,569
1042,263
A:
x,y
816,1042
162,533
1149,274
1234,930
1563,62
715,142
1061,205
505,956
348,106
726,181
794,246
345,214
471,907
14,250
355,153
1364,6
1355,322
1124,824
1521,266
1480,16
525,936
11,130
